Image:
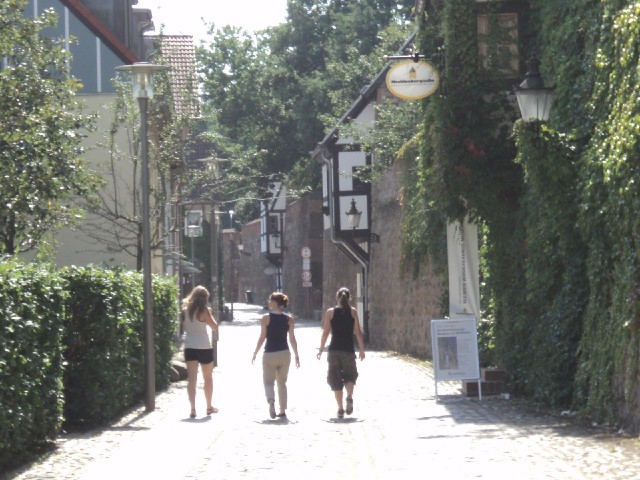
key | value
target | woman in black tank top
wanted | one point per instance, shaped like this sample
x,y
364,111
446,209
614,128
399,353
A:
x,y
275,326
343,323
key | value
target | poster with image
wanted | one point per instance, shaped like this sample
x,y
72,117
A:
x,y
455,349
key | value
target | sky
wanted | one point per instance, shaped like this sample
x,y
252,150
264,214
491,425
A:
x,y
185,16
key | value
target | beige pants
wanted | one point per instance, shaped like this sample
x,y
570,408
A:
x,y
275,369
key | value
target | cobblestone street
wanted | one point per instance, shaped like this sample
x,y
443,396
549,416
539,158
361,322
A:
x,y
397,430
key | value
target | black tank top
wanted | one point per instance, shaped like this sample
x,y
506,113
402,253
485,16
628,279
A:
x,y
342,330
277,332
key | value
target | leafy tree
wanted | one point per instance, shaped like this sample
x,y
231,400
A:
x,y
272,94
41,130
116,209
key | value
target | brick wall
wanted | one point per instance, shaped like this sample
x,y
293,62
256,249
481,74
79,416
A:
x,y
303,228
255,273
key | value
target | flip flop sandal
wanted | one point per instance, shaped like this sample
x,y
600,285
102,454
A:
x,y
212,410
349,405
341,413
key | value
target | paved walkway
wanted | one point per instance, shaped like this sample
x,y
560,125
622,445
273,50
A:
x,y
397,430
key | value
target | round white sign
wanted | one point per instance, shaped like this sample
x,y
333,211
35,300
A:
x,y
411,80
305,252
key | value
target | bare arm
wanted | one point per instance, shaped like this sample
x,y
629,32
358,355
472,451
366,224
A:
x,y
207,317
358,332
263,335
293,341
326,329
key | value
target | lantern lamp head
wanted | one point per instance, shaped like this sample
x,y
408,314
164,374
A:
x,y
534,96
353,215
142,77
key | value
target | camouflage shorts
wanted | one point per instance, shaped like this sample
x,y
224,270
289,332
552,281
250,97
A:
x,y
342,369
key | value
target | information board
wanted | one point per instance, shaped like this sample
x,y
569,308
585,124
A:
x,y
454,345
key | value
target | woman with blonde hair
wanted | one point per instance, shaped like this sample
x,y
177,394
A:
x,y
197,322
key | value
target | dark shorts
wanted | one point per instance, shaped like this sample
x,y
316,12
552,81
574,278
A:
x,y
342,369
200,355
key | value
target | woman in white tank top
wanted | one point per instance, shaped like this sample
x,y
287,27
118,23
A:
x,y
197,323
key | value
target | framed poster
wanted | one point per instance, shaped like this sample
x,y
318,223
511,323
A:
x,y
454,345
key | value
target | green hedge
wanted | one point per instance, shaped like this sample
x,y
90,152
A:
x,y
32,302
104,335
91,321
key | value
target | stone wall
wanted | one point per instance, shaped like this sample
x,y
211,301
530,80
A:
x,y
401,306
338,271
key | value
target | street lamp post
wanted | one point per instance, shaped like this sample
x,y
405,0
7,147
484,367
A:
x,y
219,258
193,231
142,86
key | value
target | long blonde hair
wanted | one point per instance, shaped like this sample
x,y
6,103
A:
x,y
195,302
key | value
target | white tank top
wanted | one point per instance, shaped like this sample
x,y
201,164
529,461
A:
x,y
197,333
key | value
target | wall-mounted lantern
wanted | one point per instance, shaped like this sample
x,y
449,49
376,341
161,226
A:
x,y
353,215
534,96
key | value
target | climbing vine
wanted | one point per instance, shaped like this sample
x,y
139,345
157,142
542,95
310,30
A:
x,y
557,203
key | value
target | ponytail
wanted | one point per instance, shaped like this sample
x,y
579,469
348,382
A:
x,y
343,297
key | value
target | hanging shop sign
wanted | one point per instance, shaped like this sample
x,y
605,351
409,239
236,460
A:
x,y
412,80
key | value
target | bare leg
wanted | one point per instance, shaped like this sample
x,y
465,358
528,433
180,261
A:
x,y
339,396
192,379
349,388
207,374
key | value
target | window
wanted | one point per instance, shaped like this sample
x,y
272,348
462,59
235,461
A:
x,y
359,178
498,43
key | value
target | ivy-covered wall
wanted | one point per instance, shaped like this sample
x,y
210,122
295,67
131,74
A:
x,y
557,202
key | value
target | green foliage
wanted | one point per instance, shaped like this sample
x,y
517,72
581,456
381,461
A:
x,y
559,226
465,164
115,222
104,341
608,380
32,299
270,95
71,349
555,282
395,127
40,154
